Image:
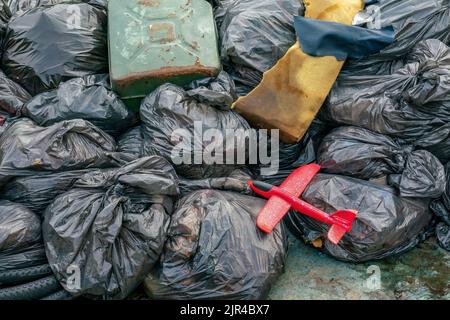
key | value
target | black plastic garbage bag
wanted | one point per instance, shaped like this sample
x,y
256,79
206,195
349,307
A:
x,y
20,227
254,35
360,153
412,20
24,272
175,125
386,224
5,15
38,192
132,143
111,227
87,98
31,256
64,146
441,208
215,250
412,103
443,235
20,237
18,7
12,96
51,44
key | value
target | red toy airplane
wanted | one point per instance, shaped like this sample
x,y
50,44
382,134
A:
x,y
285,197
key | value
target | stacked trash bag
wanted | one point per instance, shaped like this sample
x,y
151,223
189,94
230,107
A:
x,y
94,203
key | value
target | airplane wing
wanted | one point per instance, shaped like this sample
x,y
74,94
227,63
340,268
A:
x,y
276,208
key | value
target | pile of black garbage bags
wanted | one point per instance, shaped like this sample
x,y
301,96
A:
x,y
92,204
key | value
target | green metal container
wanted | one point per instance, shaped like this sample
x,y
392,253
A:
x,y
152,42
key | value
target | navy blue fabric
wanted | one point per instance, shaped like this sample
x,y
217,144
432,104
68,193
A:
x,y
322,38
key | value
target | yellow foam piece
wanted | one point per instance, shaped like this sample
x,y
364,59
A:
x,y
292,92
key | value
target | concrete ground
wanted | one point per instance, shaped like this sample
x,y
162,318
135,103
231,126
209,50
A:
x,y
423,273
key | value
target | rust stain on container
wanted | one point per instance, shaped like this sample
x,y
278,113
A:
x,y
167,72
194,45
162,31
149,3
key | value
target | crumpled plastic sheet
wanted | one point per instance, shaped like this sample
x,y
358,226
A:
x,y
88,98
169,116
64,146
254,35
111,226
360,153
412,104
215,250
45,46
386,224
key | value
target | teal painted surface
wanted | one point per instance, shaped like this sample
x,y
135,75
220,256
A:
x,y
152,42
423,273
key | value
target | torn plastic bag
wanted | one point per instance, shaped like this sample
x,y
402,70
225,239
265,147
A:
x,y
412,104
360,153
386,224
51,44
38,192
131,142
215,251
12,96
254,35
64,146
88,98
111,226
174,122
20,237
412,20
